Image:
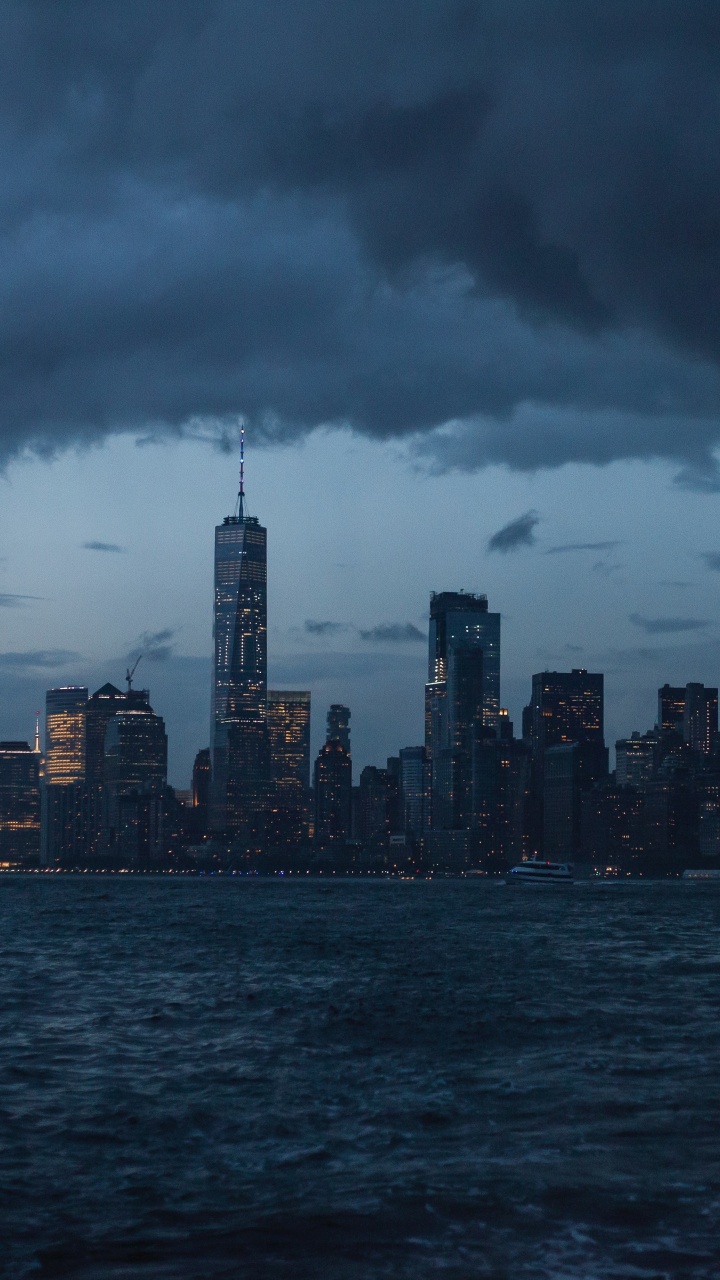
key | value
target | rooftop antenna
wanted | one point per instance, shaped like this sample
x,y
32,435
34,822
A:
x,y
36,747
130,672
241,491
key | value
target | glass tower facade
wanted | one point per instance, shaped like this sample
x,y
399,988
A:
x,y
239,738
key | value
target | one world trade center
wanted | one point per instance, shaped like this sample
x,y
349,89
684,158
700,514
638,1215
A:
x,y
239,736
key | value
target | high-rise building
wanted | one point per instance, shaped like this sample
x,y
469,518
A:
x,y
671,709
288,712
63,809
200,792
65,735
99,710
333,780
567,706
414,785
338,725
700,717
566,710
19,805
135,772
460,620
462,698
635,759
239,737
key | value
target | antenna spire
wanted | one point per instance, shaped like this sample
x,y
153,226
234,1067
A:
x,y
241,492
36,746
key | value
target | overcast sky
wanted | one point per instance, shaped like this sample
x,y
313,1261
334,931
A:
x,y
456,264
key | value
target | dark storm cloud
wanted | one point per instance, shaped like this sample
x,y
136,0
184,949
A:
x,y
153,646
518,533
323,628
500,241
38,658
11,601
103,546
394,633
666,626
581,546
712,560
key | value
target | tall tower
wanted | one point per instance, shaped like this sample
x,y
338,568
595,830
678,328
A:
x,y
462,698
238,729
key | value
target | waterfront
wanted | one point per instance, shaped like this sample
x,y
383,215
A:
x,y
222,1077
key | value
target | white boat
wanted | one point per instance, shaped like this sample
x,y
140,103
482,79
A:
x,y
540,871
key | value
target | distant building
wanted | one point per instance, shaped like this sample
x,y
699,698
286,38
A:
x,y
700,718
201,792
99,710
239,738
333,781
19,805
414,791
288,712
338,725
462,698
635,759
135,782
671,709
63,808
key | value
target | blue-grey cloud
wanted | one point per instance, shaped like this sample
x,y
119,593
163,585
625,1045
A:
x,y
581,546
667,626
38,658
394,633
314,628
248,209
8,600
518,533
103,546
712,560
154,646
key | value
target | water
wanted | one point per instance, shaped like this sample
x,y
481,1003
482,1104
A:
x,y
226,1078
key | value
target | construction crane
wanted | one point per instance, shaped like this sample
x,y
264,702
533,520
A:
x,y
130,672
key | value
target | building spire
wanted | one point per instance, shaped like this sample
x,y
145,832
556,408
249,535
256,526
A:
x,y
241,491
36,746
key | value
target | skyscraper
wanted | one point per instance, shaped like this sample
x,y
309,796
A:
x,y
333,780
462,698
569,753
700,719
460,620
19,805
63,798
288,712
239,738
135,772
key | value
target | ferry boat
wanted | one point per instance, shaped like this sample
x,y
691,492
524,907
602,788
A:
x,y
540,871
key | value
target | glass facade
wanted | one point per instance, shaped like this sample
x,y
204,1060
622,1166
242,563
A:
x,y
19,805
65,735
240,749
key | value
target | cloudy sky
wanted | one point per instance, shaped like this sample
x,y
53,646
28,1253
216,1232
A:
x,y
457,266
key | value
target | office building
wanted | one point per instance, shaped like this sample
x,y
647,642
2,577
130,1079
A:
x,y
635,759
333,781
460,620
63,808
19,806
288,717
462,698
135,773
240,755
414,792
566,706
700,717
671,709
338,725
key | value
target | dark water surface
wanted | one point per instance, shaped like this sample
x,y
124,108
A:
x,y
221,1078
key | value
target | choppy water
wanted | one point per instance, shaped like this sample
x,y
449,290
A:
x,y
203,1078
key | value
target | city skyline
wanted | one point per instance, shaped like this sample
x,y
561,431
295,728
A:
x,y
334,658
